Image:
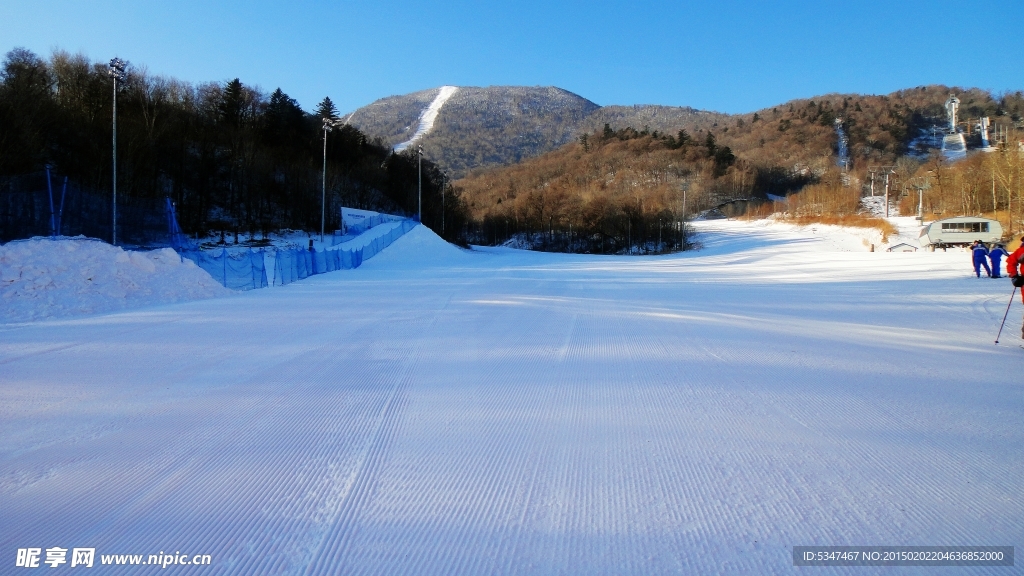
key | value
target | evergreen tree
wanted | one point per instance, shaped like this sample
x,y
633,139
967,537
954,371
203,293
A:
x,y
230,106
326,109
710,144
723,159
683,140
284,120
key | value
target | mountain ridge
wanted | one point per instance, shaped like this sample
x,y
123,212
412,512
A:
x,y
481,127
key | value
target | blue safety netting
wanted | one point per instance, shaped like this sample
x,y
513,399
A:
x,y
179,241
238,271
248,270
297,264
356,228
49,204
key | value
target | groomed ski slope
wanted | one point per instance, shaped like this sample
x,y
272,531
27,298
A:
x,y
505,412
428,116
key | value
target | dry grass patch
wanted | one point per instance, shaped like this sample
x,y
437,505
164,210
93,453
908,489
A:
x,y
854,220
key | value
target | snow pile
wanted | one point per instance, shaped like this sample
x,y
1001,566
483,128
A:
x,y
42,278
418,248
429,116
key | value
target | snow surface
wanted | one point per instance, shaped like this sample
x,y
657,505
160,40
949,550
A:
x,y
43,278
875,206
841,238
438,411
428,116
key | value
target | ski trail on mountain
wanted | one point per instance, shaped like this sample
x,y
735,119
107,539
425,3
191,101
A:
x,y
428,116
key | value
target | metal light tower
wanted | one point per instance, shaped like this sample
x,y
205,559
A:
x,y
685,185
117,70
952,105
419,185
444,181
329,124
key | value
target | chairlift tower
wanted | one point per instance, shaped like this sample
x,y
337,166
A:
x,y
888,171
920,184
885,172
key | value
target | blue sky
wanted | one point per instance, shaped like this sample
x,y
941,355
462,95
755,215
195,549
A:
x,y
725,55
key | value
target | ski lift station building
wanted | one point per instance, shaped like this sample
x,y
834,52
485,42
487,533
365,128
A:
x,y
961,231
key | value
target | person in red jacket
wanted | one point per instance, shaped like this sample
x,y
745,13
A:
x,y
1012,263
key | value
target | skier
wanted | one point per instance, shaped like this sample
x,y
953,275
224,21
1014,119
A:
x,y
980,256
1012,261
996,256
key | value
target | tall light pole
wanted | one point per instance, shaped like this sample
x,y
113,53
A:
x,y
682,220
444,181
329,124
116,70
419,185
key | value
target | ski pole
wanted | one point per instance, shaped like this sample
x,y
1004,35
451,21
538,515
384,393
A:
x,y
1012,294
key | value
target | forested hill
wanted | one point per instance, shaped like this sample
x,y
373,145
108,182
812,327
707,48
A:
x,y
617,179
801,134
500,125
235,157
503,125
231,156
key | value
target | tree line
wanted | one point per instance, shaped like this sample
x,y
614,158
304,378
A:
x,y
617,187
232,157
614,191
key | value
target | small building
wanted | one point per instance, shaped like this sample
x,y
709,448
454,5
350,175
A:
x,y
961,231
902,247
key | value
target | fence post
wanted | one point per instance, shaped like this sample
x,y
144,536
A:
x,y
49,187
60,214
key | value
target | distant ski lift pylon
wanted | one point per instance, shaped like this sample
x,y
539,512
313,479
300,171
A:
x,y
954,146
952,105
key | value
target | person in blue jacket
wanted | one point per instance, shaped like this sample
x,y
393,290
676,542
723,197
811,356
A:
x,y
979,253
996,256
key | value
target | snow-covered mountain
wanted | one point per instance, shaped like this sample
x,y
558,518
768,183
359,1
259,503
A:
x,y
468,127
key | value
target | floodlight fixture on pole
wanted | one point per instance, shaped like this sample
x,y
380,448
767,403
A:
x,y
329,124
116,69
419,185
